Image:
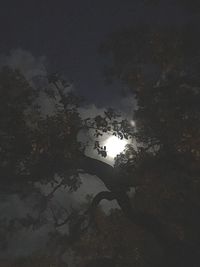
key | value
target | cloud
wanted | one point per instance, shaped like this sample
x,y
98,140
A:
x,y
126,106
34,68
29,65
90,111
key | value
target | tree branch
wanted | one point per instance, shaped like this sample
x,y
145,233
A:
x,y
50,195
111,177
100,196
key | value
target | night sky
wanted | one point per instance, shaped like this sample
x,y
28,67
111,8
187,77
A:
x,y
69,33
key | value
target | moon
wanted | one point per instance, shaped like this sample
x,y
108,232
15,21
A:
x,y
115,146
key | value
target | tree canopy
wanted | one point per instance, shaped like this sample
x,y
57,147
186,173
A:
x,y
161,68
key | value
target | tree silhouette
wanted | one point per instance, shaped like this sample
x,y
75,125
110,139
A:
x,y
161,68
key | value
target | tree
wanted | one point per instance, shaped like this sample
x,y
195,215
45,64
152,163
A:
x,y
33,147
37,149
161,68
116,241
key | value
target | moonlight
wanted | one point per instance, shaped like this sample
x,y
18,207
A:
x,y
114,146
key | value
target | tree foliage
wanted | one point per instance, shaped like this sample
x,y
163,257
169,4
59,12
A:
x,y
33,147
161,68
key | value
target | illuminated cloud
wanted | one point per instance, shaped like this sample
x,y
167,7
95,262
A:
x,y
29,65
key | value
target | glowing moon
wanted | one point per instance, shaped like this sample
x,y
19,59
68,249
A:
x,y
115,146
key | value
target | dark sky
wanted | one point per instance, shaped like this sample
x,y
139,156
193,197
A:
x,y
69,33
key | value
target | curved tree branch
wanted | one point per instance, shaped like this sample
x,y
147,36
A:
x,y
111,177
102,195
178,252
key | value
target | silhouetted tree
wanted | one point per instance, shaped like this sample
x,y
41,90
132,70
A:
x,y
161,68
